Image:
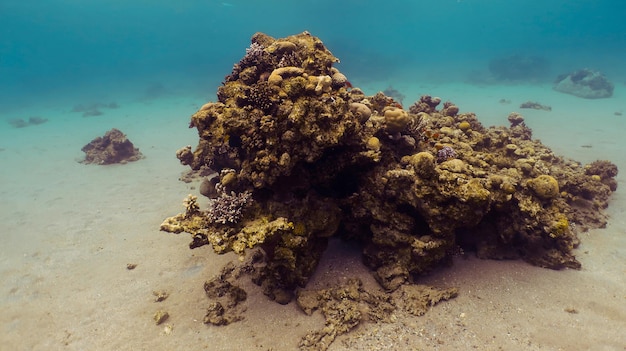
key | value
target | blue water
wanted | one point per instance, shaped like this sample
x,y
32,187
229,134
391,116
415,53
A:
x,y
53,47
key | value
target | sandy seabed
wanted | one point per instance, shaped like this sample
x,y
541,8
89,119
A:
x,y
69,231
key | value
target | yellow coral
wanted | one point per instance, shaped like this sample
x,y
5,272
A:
x,y
559,227
544,186
258,231
396,119
281,46
279,74
423,164
373,144
473,192
464,126
228,178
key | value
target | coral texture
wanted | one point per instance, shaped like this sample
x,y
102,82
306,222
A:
x,y
321,159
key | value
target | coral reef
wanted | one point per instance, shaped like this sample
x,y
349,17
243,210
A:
x,y
113,147
320,159
584,83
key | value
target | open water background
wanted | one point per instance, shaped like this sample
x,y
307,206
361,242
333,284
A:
x,y
52,49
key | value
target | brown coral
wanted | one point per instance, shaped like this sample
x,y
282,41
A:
x,y
113,147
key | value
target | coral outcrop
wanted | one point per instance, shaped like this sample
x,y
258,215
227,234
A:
x,y
113,147
584,83
302,157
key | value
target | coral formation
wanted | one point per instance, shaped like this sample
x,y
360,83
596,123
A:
x,y
113,147
584,83
535,105
32,121
544,186
321,159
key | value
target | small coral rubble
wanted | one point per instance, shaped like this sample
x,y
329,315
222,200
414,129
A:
x,y
347,305
321,159
227,299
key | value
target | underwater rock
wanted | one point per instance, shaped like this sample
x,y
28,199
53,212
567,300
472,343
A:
x,y
111,148
535,105
315,159
584,83
160,295
160,316
396,119
32,121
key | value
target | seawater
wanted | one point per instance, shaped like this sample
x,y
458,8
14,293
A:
x,y
54,49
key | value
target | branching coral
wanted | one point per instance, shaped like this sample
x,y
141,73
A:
x,y
228,208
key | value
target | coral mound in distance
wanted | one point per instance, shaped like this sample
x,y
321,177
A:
x,y
302,157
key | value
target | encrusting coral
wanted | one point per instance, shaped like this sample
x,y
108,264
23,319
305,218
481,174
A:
x,y
302,157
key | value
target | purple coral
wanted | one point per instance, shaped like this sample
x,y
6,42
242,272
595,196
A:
x,y
254,55
228,208
445,153
254,52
